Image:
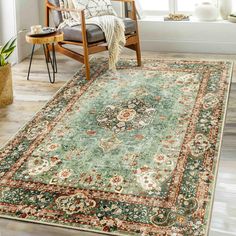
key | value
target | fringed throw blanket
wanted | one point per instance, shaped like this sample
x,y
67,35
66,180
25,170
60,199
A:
x,y
102,14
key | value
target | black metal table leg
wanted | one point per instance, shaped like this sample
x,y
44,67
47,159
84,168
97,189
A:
x,y
31,58
48,51
49,59
52,61
54,58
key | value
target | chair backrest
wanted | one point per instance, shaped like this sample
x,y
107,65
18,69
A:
x,y
56,15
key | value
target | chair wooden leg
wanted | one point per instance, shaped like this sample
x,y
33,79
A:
x,y
85,46
86,63
138,54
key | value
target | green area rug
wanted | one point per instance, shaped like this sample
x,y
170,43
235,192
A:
x,y
127,153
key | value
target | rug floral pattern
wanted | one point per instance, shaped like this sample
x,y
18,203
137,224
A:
x,y
128,153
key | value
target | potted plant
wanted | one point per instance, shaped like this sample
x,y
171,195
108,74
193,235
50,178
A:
x,y
6,91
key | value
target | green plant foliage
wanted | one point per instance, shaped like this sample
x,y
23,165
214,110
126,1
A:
x,y
6,51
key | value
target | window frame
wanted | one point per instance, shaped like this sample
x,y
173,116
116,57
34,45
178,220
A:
x,y
155,12
173,8
181,12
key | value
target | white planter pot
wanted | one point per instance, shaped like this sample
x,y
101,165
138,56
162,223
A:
x,y
206,11
225,8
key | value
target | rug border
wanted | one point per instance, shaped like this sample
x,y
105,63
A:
x,y
151,59
220,149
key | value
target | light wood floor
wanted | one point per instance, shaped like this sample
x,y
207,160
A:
x,y
31,95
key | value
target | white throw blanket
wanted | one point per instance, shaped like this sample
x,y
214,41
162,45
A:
x,y
112,26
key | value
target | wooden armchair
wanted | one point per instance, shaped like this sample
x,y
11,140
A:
x,y
90,37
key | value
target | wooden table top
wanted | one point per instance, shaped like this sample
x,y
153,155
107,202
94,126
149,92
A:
x,y
52,38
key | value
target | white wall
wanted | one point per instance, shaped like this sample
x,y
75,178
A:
x,y
27,14
16,15
0,26
8,23
41,4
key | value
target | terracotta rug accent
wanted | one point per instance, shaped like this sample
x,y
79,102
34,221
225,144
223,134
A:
x,y
127,153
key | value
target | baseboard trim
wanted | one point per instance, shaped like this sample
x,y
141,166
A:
x,y
189,46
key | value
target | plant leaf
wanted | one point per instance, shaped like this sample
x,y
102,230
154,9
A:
x,y
9,50
5,46
9,55
13,42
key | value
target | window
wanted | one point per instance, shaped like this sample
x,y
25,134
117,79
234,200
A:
x,y
234,6
186,6
154,7
162,7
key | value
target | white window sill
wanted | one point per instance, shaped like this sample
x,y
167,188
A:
x,y
192,20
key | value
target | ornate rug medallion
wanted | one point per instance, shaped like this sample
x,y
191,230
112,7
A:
x,y
130,153
133,114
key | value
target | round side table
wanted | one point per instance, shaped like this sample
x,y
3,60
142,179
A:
x,y
46,41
